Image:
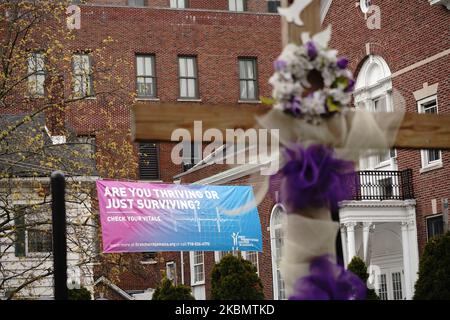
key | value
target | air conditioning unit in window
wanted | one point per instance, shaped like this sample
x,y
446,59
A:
x,y
445,3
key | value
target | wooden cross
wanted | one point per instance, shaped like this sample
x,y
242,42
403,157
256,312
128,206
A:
x,y
157,121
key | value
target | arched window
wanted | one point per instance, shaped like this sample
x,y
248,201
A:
x,y
276,237
373,91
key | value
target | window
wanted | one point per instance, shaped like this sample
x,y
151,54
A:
x,y
272,6
236,5
247,79
365,5
178,4
19,233
276,236
373,91
187,67
82,75
33,231
137,3
36,75
430,157
191,154
39,240
221,254
149,161
435,226
146,79
380,104
382,291
198,267
171,271
149,257
252,256
397,285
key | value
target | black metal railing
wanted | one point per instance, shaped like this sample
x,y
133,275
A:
x,y
383,185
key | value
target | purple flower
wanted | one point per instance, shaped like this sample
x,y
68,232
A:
x,y
279,65
351,85
312,50
295,106
312,177
342,63
329,281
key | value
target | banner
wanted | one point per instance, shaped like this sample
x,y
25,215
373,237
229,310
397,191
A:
x,y
145,217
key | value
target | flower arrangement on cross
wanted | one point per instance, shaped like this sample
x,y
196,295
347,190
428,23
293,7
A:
x,y
322,138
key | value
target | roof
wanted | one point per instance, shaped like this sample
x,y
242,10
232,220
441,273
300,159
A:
x,y
30,152
114,287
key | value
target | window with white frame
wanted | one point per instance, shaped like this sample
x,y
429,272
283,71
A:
x,y
82,76
248,82
430,157
171,271
36,74
252,256
187,68
146,79
33,232
435,225
178,4
397,286
380,104
382,290
373,91
221,254
236,5
198,268
276,236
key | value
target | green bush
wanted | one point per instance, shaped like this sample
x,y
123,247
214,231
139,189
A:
x,y
167,291
434,270
358,267
79,294
236,279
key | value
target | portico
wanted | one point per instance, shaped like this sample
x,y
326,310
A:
x,y
384,234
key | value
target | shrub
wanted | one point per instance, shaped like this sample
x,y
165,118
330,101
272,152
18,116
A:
x,y
358,267
167,291
79,294
236,279
434,270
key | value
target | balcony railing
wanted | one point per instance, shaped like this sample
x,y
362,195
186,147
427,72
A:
x,y
383,185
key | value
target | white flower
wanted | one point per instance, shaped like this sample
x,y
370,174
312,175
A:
x,y
315,104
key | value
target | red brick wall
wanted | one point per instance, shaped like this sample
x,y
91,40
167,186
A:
x,y
216,38
405,37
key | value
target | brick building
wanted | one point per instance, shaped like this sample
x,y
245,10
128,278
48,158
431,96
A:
x,y
206,52
221,51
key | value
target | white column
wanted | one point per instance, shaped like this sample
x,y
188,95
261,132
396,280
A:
x,y
414,254
406,260
366,230
351,239
344,245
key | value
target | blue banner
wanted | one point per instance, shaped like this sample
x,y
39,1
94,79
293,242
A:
x,y
144,217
